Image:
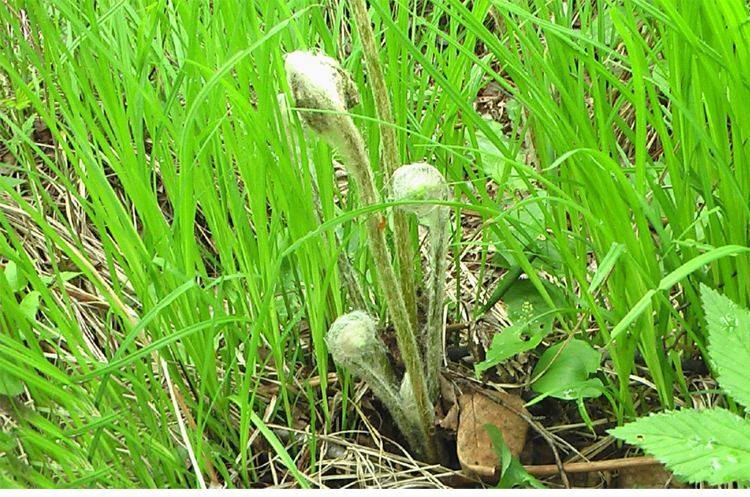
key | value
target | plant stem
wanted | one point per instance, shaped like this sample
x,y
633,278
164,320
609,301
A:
x,y
355,344
439,240
422,181
349,142
391,158
385,388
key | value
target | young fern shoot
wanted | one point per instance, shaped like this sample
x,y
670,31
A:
x,y
320,86
355,344
421,181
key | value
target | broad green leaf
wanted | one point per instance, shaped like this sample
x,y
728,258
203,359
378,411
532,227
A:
x,y
728,343
30,305
15,279
512,472
493,160
532,320
10,386
711,445
565,369
526,221
524,302
513,340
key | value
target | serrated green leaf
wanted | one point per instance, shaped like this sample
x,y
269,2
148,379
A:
x,y
728,343
711,445
565,369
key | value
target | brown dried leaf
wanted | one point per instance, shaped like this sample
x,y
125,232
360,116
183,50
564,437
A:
x,y
450,421
475,450
447,391
447,408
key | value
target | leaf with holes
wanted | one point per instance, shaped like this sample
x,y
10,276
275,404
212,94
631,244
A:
x,y
711,445
532,321
513,340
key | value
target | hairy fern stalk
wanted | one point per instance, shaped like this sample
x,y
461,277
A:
x,y
423,182
355,344
325,91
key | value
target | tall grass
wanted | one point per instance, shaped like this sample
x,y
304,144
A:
x,y
634,113
164,120
169,234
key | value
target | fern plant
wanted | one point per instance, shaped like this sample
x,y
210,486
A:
x,y
711,445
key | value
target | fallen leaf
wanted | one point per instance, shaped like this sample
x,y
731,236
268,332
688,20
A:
x,y
449,405
450,421
475,450
447,391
